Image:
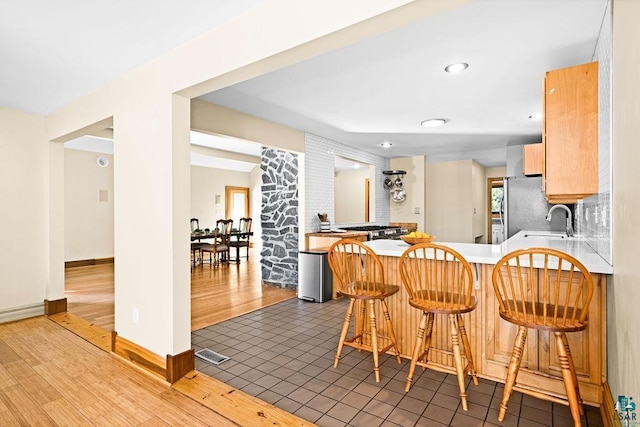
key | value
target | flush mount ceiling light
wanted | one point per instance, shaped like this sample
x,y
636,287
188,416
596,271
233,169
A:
x,y
431,123
386,144
535,116
456,68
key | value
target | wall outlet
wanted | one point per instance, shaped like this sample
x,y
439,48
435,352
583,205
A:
x,y
416,210
136,316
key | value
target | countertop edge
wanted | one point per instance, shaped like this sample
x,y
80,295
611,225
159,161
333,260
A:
x,y
491,254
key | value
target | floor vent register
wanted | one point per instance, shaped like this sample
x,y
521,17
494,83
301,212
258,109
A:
x,y
211,356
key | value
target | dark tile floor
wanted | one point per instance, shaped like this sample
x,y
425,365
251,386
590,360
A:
x,y
283,354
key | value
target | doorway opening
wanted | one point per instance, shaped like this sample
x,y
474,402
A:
x,y
495,210
236,203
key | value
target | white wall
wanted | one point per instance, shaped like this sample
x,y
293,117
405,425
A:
x,y
255,196
623,298
88,222
23,211
496,172
206,184
479,198
449,204
414,185
349,195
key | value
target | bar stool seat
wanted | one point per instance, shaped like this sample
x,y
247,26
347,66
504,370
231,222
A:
x,y
439,280
544,289
360,278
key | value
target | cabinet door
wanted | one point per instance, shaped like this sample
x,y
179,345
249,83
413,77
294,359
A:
x,y
532,159
586,346
500,335
571,133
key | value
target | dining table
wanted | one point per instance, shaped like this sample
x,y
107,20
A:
x,y
235,234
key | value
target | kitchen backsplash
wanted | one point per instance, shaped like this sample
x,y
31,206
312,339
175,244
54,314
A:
x,y
593,215
319,179
593,218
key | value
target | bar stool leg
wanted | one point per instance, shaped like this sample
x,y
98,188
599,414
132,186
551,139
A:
x,y
467,349
457,358
573,372
416,350
360,333
567,376
427,339
514,367
374,339
345,329
392,335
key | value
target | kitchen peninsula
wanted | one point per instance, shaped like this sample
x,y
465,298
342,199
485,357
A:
x,y
491,337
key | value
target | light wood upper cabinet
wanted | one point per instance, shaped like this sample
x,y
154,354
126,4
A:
x,y
532,159
570,133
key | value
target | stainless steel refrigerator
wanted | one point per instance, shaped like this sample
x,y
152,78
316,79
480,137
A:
x,y
525,207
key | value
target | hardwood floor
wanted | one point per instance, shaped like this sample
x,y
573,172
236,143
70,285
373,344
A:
x,y
49,376
217,293
89,292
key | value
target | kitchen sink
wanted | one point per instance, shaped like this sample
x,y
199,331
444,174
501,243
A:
x,y
546,235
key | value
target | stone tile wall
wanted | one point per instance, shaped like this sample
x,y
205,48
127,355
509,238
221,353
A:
x,y
279,218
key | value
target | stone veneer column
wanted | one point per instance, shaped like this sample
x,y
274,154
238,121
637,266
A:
x,y
279,218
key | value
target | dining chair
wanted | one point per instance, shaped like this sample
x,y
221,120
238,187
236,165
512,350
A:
x,y
213,248
438,280
547,290
196,246
219,249
360,277
242,240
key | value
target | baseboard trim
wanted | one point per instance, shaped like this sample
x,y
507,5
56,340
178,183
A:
x,y
86,262
19,313
55,306
180,365
138,355
608,408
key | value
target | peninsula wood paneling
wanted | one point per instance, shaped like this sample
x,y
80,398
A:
x,y
492,339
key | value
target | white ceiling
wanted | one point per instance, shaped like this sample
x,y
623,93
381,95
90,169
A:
x,y
53,52
380,89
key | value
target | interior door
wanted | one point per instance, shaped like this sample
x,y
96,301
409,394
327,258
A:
x,y
236,204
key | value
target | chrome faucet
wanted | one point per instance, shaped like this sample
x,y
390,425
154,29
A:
x,y
569,220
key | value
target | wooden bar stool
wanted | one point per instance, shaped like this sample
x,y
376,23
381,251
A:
x,y
545,289
439,280
361,278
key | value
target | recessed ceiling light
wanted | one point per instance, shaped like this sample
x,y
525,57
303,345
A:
x,y
386,144
535,116
431,123
456,68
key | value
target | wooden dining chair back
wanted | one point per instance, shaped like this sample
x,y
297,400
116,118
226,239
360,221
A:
x,y
360,277
438,280
544,289
224,227
243,240
196,246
